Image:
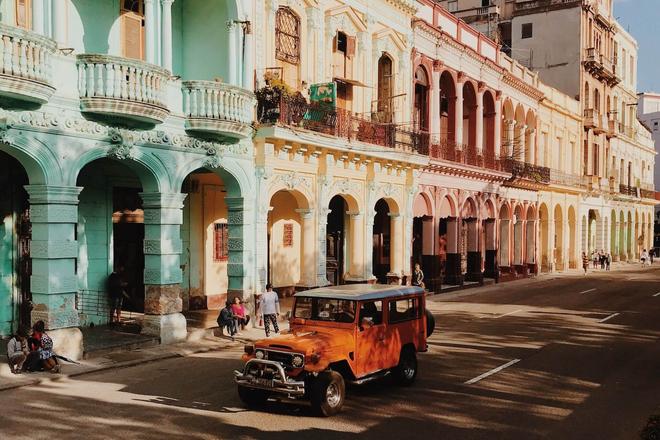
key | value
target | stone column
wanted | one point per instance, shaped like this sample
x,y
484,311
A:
x,y
458,122
479,139
232,28
518,238
163,217
505,255
566,237
59,22
509,137
396,249
307,254
38,19
356,235
248,61
240,221
321,269
533,159
435,106
498,127
453,273
519,141
166,31
369,245
150,31
53,250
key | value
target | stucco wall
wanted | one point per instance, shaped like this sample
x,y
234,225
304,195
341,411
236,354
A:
x,y
285,261
93,26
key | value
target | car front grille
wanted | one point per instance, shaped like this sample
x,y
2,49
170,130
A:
x,y
283,358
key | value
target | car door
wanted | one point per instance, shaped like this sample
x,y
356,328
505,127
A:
x,y
370,339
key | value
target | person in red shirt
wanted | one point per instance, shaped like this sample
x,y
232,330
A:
x,y
242,318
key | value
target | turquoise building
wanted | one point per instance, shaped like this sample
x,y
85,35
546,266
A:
x,y
125,140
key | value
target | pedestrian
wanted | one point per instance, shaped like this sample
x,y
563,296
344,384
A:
x,y
608,261
41,356
651,255
594,258
269,303
603,257
644,257
17,351
116,292
242,318
226,320
585,262
418,277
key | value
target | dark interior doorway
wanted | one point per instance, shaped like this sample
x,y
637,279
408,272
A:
x,y
382,241
335,241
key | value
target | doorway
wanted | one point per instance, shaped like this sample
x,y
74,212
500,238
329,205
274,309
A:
x,y
335,239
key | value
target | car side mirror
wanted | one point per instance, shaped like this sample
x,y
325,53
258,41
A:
x,y
366,322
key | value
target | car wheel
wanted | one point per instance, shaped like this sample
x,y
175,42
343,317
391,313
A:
x,y
406,371
430,323
252,397
327,393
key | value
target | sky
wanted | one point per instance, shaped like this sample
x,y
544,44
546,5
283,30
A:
x,y
641,19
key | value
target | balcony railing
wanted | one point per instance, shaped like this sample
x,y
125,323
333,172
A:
x,y
567,179
295,111
591,118
217,108
122,88
533,4
522,170
25,63
628,190
600,66
449,150
647,193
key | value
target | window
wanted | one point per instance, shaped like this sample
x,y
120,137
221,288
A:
x,y
287,239
287,36
325,309
23,13
485,3
526,30
372,310
452,6
132,28
220,242
403,310
655,126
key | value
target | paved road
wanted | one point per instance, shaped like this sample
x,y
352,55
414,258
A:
x,y
569,376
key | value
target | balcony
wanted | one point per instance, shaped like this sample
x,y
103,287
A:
x,y
122,89
26,65
612,128
448,150
479,13
601,67
525,171
217,109
591,118
628,190
566,179
295,112
532,6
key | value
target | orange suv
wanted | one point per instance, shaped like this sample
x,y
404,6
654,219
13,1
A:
x,y
353,333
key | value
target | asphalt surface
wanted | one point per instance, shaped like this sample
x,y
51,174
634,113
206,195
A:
x,y
566,376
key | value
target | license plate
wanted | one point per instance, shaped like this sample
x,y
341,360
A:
x,y
268,383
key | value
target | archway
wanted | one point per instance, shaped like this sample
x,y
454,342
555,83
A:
x,y
637,237
559,238
469,140
546,264
622,237
518,238
572,239
382,239
290,243
489,129
490,240
111,233
530,138
447,110
15,236
507,129
630,238
505,227
519,134
342,234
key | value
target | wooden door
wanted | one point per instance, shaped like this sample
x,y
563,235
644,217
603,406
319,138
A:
x,y
23,13
132,28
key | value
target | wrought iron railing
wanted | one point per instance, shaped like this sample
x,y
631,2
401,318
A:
x,y
449,150
628,190
522,170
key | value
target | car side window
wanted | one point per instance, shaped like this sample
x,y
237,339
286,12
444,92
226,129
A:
x,y
373,310
403,310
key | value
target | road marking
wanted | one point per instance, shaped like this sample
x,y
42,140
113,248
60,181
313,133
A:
x,y
587,291
491,372
609,317
507,314
657,294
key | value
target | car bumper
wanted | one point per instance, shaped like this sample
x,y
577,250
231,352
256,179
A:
x,y
280,383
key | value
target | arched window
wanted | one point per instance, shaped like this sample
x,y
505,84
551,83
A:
x,y
596,100
287,36
385,81
421,98
586,95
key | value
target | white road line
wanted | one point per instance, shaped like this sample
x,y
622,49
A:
x,y
587,291
507,314
657,294
609,317
491,372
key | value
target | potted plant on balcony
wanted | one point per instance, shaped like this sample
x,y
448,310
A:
x,y
279,102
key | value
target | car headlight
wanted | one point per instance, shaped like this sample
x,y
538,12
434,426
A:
x,y
259,354
297,361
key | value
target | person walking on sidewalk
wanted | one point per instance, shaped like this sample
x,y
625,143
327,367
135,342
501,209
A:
x,y
585,262
644,257
608,261
117,292
269,303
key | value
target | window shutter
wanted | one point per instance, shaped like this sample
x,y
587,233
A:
x,y
22,10
335,42
131,28
350,47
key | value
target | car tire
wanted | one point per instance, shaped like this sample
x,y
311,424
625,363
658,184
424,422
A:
x,y
327,393
252,397
406,371
430,323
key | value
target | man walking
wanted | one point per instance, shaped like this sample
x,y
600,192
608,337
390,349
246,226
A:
x,y
116,286
269,303
585,262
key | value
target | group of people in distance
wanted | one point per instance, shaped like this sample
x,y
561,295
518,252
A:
x,y
27,353
235,315
604,259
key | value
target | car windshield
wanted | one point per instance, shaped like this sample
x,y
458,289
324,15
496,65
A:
x,y
325,309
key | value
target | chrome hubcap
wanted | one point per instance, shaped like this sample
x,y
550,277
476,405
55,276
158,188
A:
x,y
409,369
332,395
